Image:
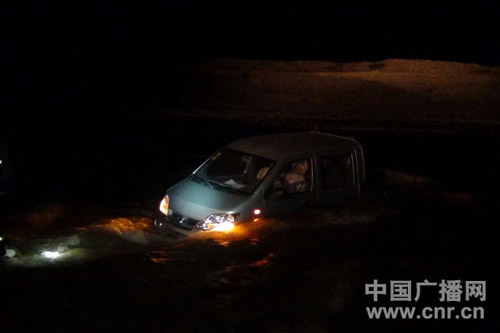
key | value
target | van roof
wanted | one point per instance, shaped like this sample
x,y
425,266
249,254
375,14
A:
x,y
277,146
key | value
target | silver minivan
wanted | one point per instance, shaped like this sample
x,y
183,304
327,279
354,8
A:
x,y
264,176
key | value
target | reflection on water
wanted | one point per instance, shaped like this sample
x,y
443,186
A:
x,y
254,241
302,272
133,234
263,262
122,225
133,230
160,256
111,236
223,242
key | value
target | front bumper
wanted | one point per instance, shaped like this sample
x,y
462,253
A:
x,y
175,225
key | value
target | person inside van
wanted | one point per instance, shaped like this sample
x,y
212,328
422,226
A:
x,y
295,180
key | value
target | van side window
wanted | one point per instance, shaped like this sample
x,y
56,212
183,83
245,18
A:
x,y
336,171
294,178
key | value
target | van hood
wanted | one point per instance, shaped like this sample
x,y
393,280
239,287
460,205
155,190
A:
x,y
197,201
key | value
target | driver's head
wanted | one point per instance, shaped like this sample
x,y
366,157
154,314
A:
x,y
300,167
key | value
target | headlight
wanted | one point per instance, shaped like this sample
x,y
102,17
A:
x,y
217,222
164,205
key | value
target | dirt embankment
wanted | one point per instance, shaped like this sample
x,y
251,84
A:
x,y
390,94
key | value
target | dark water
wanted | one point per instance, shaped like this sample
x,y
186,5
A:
x,y
90,189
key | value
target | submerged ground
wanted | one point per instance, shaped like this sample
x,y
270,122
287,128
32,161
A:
x,y
91,187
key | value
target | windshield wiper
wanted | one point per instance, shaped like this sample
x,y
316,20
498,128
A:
x,y
229,188
217,183
211,183
206,182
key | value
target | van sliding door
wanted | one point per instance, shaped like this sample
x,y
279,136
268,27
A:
x,y
337,180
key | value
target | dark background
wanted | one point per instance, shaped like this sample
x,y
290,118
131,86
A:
x,y
113,54
79,81
78,75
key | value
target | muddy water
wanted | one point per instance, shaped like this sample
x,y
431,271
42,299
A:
x,y
428,213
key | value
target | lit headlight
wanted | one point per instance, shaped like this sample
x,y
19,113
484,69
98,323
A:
x,y
217,222
164,205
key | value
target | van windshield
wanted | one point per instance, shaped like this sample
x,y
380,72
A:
x,y
235,170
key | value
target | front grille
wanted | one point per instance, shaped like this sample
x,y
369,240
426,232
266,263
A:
x,y
185,222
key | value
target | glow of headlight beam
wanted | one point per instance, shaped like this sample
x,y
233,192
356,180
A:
x,y
51,254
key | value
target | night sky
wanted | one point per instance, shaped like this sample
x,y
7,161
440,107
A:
x,y
94,52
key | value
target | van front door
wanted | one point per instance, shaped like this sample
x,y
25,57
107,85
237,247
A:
x,y
292,189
